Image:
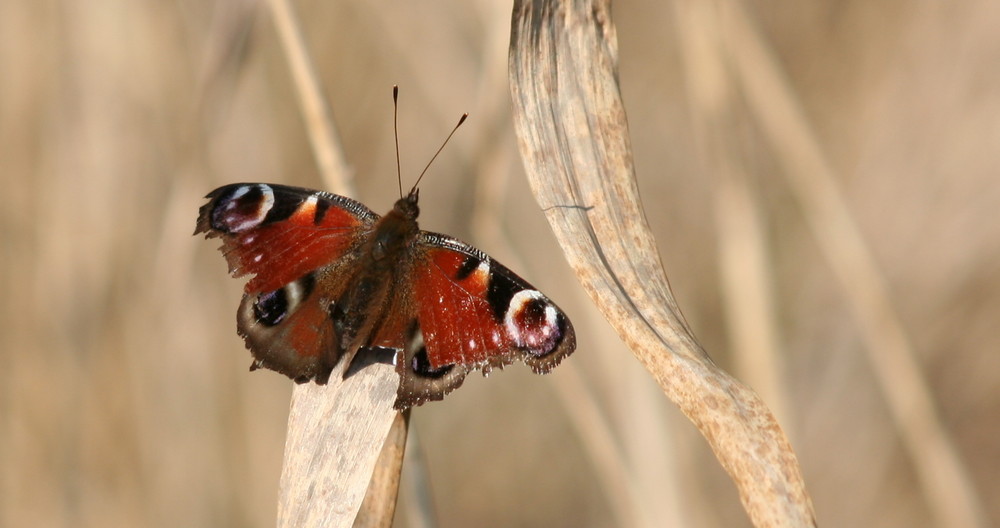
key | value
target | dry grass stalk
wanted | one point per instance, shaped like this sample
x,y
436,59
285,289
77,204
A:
x,y
315,111
573,137
335,433
379,505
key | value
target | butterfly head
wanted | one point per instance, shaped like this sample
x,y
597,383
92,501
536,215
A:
x,y
407,205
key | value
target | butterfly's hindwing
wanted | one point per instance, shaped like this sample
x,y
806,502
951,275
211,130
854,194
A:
x,y
288,331
419,381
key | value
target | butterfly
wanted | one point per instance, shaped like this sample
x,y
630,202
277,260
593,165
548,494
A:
x,y
332,280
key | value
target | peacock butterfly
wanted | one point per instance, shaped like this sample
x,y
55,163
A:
x,y
332,280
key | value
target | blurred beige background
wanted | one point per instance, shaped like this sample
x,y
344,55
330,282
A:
x,y
124,395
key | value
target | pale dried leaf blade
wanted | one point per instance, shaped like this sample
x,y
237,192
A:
x,y
335,433
573,137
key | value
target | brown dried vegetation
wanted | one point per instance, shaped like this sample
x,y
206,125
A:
x,y
124,399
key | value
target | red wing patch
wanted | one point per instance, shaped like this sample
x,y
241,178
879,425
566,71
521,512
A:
x,y
458,324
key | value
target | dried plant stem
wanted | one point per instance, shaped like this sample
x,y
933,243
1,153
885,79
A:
x,y
574,141
948,487
315,112
379,505
335,432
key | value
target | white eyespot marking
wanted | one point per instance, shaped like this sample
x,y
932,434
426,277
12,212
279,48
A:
x,y
293,294
482,272
309,206
532,322
238,193
258,257
480,276
411,347
416,342
240,212
472,344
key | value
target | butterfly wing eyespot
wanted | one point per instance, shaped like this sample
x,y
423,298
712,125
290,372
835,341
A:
x,y
537,327
421,366
420,381
241,208
271,308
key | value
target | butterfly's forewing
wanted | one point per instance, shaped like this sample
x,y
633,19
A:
x,y
297,244
473,313
279,233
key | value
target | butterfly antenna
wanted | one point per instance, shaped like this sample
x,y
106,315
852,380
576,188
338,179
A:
x,y
434,157
395,134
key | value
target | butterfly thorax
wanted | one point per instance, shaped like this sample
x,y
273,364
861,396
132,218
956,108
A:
x,y
360,312
394,232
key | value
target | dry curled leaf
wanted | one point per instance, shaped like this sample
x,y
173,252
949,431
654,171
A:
x,y
573,137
